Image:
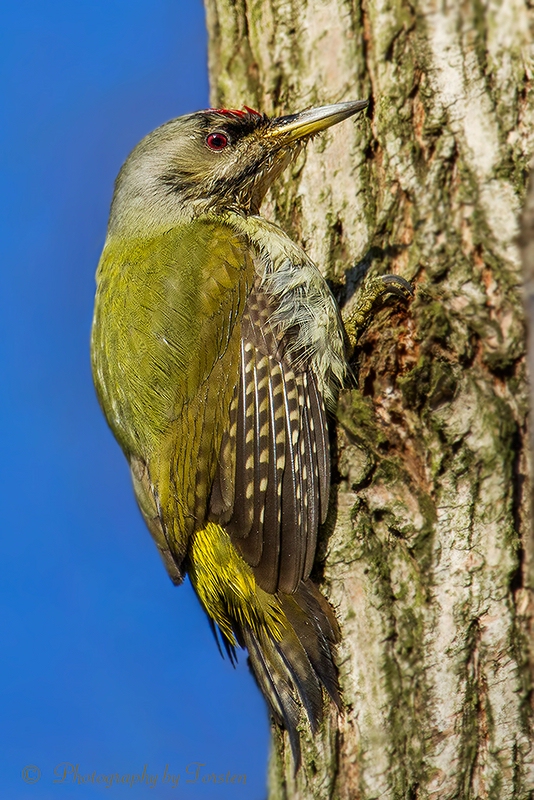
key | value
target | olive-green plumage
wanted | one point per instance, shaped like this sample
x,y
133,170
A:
x,y
216,348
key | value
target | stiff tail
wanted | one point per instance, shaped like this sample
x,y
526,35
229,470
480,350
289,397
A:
x,y
289,637
291,671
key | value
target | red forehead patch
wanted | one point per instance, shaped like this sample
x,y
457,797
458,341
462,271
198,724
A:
x,y
235,112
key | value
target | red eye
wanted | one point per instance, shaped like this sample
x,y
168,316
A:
x,y
216,141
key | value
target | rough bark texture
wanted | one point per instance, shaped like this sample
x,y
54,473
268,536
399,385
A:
x,y
527,247
427,553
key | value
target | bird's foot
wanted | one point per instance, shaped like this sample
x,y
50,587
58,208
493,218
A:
x,y
373,290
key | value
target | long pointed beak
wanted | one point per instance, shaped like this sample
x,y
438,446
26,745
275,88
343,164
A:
x,y
296,126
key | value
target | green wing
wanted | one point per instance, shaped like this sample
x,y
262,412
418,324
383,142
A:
x,y
165,350
215,419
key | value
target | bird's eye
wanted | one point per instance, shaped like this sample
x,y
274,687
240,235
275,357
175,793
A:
x,y
216,141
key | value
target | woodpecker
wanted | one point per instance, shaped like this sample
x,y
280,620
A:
x,y
217,353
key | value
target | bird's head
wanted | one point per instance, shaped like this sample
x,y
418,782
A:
x,y
214,160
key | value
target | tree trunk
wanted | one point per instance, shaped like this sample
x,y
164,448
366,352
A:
x,y
427,551
526,240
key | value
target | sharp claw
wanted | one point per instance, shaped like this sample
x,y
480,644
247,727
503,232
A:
x,y
373,290
397,285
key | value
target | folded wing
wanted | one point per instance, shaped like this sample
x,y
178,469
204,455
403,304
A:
x,y
272,482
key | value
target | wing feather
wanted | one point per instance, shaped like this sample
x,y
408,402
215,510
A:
x,y
319,428
292,542
280,470
310,477
266,569
241,521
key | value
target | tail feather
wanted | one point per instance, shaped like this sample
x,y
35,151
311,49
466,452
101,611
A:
x,y
292,670
229,648
303,675
275,682
316,626
289,636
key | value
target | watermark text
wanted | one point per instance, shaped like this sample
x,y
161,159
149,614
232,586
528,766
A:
x,y
194,772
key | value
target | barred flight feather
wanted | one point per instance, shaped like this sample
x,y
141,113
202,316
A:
x,y
272,481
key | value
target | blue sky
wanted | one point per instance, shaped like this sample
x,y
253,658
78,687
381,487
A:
x,y
106,667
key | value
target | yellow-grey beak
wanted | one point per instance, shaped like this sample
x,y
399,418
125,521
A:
x,y
296,126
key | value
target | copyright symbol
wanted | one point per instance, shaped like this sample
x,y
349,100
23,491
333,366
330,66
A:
x,y
31,774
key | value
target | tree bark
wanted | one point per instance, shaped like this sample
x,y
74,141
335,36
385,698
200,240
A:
x,y
526,241
427,553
